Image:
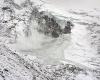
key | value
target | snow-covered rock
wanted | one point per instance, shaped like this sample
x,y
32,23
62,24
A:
x,y
31,38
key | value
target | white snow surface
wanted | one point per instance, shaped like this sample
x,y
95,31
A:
x,y
39,57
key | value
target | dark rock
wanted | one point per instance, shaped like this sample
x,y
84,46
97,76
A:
x,y
50,26
55,34
5,21
5,8
6,70
67,28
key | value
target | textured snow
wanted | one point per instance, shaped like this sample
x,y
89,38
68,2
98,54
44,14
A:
x,y
30,55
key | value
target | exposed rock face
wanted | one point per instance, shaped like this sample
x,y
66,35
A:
x,y
49,25
67,28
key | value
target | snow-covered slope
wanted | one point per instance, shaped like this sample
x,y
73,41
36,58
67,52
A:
x,y
27,44
16,66
34,30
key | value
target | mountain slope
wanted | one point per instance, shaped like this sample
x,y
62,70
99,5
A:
x,y
28,44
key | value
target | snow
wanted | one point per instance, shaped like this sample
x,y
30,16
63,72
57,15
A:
x,y
36,56
79,49
83,77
